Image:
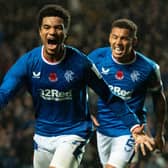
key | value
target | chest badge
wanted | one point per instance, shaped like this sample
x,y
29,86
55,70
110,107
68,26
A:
x,y
53,77
135,75
119,75
69,75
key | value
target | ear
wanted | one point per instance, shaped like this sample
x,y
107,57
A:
x,y
135,41
65,36
39,31
110,38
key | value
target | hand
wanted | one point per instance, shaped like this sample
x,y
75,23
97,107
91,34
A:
x,y
143,142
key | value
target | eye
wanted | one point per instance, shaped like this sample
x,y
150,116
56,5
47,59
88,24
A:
x,y
113,36
45,27
59,27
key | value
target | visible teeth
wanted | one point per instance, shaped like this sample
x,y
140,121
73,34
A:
x,y
118,48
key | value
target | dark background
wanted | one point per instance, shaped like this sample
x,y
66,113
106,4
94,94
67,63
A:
x,y
91,21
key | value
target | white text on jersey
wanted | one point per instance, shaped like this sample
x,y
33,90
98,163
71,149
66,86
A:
x,y
124,94
56,95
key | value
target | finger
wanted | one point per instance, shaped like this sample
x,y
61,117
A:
x,y
150,140
136,147
142,148
149,146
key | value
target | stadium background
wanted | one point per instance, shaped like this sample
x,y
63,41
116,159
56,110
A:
x,y
91,20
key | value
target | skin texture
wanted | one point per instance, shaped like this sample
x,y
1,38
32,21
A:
x,y
52,29
122,44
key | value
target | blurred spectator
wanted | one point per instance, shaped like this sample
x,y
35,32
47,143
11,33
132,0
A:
x,y
89,30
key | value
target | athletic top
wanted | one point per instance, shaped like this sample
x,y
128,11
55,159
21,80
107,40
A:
x,y
130,81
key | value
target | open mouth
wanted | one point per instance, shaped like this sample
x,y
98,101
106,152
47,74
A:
x,y
52,41
52,44
118,50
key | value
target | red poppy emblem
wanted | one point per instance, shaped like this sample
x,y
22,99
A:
x,y
52,77
119,75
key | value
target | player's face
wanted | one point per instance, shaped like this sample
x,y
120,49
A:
x,y
121,43
52,33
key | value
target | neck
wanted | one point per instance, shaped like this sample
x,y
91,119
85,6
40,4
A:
x,y
127,58
56,56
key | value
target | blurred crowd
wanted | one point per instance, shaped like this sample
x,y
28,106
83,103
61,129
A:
x,y
91,21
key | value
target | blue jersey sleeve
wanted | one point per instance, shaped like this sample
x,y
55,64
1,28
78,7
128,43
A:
x,y
96,82
12,81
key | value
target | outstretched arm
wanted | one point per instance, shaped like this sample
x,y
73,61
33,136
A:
x,y
96,82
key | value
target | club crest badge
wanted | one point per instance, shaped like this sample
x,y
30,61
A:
x,y
69,75
135,75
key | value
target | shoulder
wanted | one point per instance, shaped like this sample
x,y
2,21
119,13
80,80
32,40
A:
x,y
32,54
75,54
99,53
147,62
70,50
76,57
35,52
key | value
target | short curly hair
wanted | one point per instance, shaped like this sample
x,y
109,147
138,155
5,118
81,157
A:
x,y
127,24
54,10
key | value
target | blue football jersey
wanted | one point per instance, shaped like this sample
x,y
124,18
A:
x,y
129,81
59,91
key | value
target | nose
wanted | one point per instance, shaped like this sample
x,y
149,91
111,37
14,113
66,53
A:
x,y
118,41
52,31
